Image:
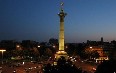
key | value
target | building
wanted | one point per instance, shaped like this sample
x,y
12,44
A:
x,y
99,49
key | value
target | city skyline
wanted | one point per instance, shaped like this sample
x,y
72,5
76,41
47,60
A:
x,y
38,20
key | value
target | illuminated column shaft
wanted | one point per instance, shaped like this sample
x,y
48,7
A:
x,y
61,33
61,36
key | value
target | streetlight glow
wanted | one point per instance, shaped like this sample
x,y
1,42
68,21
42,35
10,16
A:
x,y
2,54
18,46
2,50
38,46
90,47
54,46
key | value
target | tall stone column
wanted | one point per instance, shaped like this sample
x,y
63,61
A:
x,y
61,33
61,51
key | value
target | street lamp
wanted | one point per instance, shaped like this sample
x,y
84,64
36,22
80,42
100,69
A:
x,y
18,46
54,46
38,46
2,54
90,47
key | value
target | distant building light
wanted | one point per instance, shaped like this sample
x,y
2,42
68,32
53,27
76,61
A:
x,y
66,46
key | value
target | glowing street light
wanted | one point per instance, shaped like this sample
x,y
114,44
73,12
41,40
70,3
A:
x,y
2,54
54,46
18,46
38,46
90,47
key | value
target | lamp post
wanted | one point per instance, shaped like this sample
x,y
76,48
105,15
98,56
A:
x,y
2,54
38,46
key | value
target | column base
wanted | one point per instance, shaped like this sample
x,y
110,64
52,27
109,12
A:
x,y
61,53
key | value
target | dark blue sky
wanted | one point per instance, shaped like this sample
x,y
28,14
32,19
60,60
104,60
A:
x,y
38,20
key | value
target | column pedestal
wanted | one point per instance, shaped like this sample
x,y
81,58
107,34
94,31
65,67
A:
x,y
60,54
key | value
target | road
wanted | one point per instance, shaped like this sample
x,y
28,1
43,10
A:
x,y
86,66
26,68
34,68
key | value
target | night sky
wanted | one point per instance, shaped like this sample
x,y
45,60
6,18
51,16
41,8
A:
x,y
38,20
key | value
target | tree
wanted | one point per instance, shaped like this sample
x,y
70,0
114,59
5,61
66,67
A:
x,y
48,52
53,41
95,54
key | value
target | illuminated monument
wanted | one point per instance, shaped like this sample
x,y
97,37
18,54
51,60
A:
x,y
61,51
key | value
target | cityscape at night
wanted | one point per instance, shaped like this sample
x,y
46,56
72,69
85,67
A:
x,y
57,36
